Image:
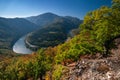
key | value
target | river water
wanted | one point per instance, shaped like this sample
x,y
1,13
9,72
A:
x,y
19,47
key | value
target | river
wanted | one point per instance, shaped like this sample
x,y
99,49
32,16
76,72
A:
x,y
19,47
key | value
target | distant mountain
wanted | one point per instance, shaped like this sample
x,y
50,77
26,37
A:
x,y
22,25
46,29
43,19
54,33
12,29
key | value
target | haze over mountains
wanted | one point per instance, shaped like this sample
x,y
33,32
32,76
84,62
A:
x,y
54,29
45,27
43,19
12,29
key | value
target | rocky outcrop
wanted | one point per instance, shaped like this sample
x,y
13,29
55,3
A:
x,y
103,69
95,69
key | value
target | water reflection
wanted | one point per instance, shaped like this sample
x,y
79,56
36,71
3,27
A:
x,y
19,47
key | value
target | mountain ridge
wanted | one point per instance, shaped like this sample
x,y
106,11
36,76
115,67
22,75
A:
x,y
46,18
11,29
54,33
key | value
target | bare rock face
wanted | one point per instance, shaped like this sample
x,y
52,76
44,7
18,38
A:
x,y
95,69
103,69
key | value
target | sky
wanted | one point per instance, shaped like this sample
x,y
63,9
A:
x,y
25,8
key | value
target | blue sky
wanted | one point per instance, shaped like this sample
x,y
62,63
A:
x,y
25,8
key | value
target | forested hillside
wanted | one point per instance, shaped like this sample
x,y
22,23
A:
x,y
97,35
54,33
11,30
43,19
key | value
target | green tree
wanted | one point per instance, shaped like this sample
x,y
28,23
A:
x,y
41,65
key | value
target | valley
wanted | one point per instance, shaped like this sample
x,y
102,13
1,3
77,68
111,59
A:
x,y
11,29
43,31
52,46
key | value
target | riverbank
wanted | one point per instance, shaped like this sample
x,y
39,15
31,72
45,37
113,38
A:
x,y
20,47
29,45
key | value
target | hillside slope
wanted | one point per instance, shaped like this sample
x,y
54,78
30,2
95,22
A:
x,y
95,66
12,29
93,54
43,19
54,33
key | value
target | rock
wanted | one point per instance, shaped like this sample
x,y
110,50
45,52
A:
x,y
95,67
99,69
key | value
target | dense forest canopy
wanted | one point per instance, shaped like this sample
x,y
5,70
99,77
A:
x,y
99,29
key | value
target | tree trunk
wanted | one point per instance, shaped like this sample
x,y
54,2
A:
x,y
106,51
107,45
41,77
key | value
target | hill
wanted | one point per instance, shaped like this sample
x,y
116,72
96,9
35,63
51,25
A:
x,y
43,19
92,54
54,33
12,29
